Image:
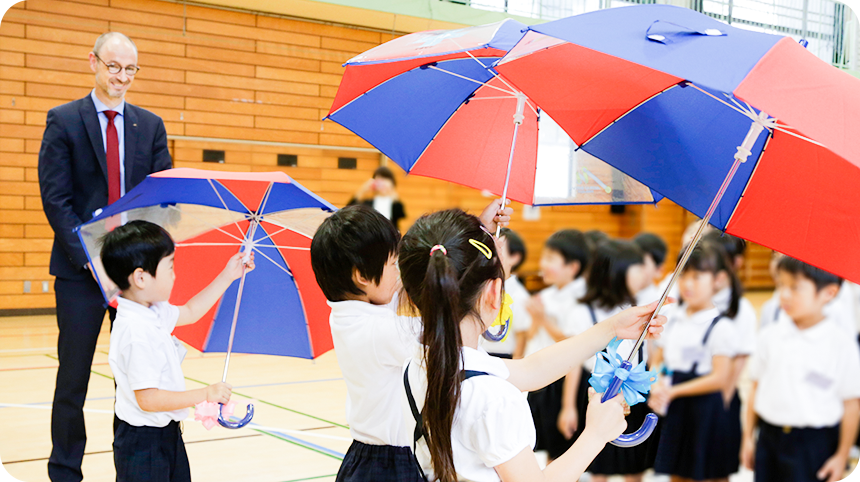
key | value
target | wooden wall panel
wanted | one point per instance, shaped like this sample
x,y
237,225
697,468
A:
x,y
220,74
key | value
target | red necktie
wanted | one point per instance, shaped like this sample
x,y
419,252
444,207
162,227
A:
x,y
114,178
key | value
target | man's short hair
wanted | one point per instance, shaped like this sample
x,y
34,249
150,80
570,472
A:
x,y
818,276
136,244
103,38
355,237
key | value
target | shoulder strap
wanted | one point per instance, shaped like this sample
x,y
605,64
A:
x,y
467,374
419,422
711,328
593,315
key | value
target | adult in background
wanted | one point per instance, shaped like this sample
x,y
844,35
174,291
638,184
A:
x,y
380,193
93,151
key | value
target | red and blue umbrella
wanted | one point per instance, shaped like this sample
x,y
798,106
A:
x,y
277,309
679,101
430,102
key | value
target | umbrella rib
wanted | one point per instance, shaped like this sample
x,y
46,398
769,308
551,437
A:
x,y
484,66
257,249
186,245
212,184
472,80
206,223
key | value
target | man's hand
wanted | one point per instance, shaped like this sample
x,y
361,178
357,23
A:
x,y
107,284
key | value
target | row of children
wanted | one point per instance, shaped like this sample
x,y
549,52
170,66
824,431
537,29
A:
x,y
420,389
805,364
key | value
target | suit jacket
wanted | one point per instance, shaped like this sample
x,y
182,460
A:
x,y
73,171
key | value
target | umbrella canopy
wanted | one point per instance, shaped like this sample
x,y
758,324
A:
x,y
429,102
668,96
213,215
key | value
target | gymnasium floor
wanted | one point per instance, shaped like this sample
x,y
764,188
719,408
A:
x,y
298,433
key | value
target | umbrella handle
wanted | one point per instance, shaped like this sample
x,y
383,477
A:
x,y
501,335
234,425
648,426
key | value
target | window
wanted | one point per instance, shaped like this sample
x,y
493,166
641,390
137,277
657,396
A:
x,y
213,156
347,163
289,160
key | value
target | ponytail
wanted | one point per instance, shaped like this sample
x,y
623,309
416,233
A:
x,y
444,271
441,317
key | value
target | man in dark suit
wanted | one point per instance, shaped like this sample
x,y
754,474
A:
x,y
93,151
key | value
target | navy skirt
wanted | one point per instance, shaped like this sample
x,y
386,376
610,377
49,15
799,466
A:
x,y
614,460
379,463
545,405
693,435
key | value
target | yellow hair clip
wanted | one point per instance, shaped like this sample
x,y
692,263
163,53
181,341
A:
x,y
482,248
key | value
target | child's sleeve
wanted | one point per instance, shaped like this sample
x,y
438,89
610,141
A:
x,y
504,428
849,383
724,339
396,339
144,365
576,321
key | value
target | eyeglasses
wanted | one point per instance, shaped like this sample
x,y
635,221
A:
x,y
114,67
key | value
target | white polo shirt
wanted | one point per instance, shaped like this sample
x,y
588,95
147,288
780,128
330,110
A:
x,y
805,375
581,320
143,354
520,322
770,310
746,322
372,343
492,424
682,340
557,304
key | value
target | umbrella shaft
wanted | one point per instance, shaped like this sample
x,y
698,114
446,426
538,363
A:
x,y
250,235
508,175
755,129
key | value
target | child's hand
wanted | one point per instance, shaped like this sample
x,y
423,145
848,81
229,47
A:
x,y
834,469
494,216
629,323
234,267
535,309
748,453
219,392
605,420
568,421
661,396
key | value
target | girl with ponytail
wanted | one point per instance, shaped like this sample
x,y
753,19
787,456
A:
x,y
470,419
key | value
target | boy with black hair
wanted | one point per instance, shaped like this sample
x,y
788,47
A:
x,y
151,398
564,258
654,249
512,251
805,397
354,258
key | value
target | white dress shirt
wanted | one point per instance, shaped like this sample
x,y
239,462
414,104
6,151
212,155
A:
x,y
143,354
372,343
804,376
492,424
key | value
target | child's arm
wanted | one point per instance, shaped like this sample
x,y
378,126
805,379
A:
x,y
604,422
715,381
494,216
834,468
541,319
568,417
750,420
156,400
548,365
196,307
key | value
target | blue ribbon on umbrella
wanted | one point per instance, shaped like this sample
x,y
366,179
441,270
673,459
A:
x,y
636,382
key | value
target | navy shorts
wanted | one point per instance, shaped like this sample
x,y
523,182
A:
x,y
150,454
793,454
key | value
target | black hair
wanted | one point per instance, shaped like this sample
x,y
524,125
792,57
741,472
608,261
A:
x,y
607,277
384,173
712,258
136,244
515,246
571,244
445,285
821,278
594,238
733,245
652,245
355,237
